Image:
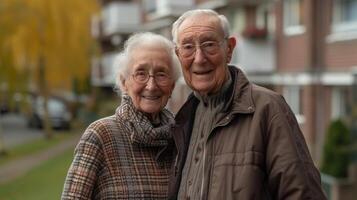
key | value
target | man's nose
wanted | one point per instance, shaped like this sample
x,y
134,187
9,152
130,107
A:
x,y
200,56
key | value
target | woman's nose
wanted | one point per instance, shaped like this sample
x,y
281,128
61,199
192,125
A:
x,y
151,84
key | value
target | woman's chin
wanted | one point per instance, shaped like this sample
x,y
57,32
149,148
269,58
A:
x,y
152,110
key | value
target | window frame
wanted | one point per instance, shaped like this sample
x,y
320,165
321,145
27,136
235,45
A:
x,y
293,97
338,103
341,29
292,20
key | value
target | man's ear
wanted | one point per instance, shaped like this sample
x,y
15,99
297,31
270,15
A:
x,y
231,44
123,83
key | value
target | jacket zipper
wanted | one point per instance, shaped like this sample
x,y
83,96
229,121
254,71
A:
x,y
203,171
204,153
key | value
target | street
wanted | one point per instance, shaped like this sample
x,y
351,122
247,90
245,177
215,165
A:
x,y
13,130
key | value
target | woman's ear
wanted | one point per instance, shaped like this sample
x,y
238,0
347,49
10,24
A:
x,y
173,87
123,83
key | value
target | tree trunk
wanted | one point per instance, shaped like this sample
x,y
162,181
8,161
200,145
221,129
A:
x,y
2,145
47,129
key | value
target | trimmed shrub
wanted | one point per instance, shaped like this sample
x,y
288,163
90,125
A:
x,y
336,159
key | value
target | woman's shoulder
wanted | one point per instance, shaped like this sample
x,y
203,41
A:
x,y
105,126
105,130
102,122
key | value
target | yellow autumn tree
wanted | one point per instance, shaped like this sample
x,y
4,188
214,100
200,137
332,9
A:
x,y
45,45
58,32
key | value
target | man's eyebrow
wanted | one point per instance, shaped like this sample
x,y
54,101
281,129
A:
x,y
208,36
187,39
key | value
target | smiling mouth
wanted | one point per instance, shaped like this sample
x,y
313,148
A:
x,y
152,98
202,72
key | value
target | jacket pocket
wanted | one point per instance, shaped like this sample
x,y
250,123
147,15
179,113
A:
x,y
237,176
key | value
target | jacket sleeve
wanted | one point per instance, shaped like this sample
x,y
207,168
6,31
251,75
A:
x,y
290,169
83,172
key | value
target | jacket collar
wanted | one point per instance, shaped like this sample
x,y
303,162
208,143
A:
x,y
184,122
241,99
188,108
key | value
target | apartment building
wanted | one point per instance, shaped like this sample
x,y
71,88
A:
x,y
303,49
316,45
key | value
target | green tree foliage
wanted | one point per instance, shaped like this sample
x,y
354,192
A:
x,y
335,156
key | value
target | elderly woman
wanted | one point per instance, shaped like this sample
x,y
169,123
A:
x,y
121,156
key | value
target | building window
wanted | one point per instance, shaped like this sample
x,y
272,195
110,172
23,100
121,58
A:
x,y
339,103
344,21
256,23
345,15
292,95
150,6
266,17
345,11
292,17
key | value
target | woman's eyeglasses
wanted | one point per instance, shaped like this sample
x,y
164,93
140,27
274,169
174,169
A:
x,y
161,78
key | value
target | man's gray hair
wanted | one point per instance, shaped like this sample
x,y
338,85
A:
x,y
136,41
222,19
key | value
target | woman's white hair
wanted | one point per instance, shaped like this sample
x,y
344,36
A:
x,y
222,19
137,40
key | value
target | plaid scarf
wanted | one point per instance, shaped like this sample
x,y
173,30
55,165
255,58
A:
x,y
143,133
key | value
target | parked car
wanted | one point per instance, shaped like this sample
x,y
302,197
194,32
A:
x,y
4,108
58,113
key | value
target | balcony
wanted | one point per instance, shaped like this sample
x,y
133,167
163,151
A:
x,y
162,13
120,18
256,56
103,70
255,33
162,8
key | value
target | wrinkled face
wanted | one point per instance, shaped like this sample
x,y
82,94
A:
x,y
205,70
149,97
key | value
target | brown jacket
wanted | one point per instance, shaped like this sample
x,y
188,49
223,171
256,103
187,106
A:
x,y
256,151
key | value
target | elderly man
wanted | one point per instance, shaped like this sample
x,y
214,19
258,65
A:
x,y
234,139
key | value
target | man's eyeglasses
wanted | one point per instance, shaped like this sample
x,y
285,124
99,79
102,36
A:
x,y
161,78
208,47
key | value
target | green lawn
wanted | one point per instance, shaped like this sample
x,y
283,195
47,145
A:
x,y
35,146
44,182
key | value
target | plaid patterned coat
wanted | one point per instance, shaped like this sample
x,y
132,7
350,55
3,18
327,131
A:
x,y
118,157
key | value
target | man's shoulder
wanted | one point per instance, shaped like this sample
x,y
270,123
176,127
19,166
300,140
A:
x,y
260,91
268,98
245,86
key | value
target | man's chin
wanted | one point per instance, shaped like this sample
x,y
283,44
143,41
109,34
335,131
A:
x,y
202,90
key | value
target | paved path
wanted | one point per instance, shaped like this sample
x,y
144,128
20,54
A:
x,y
19,167
14,130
